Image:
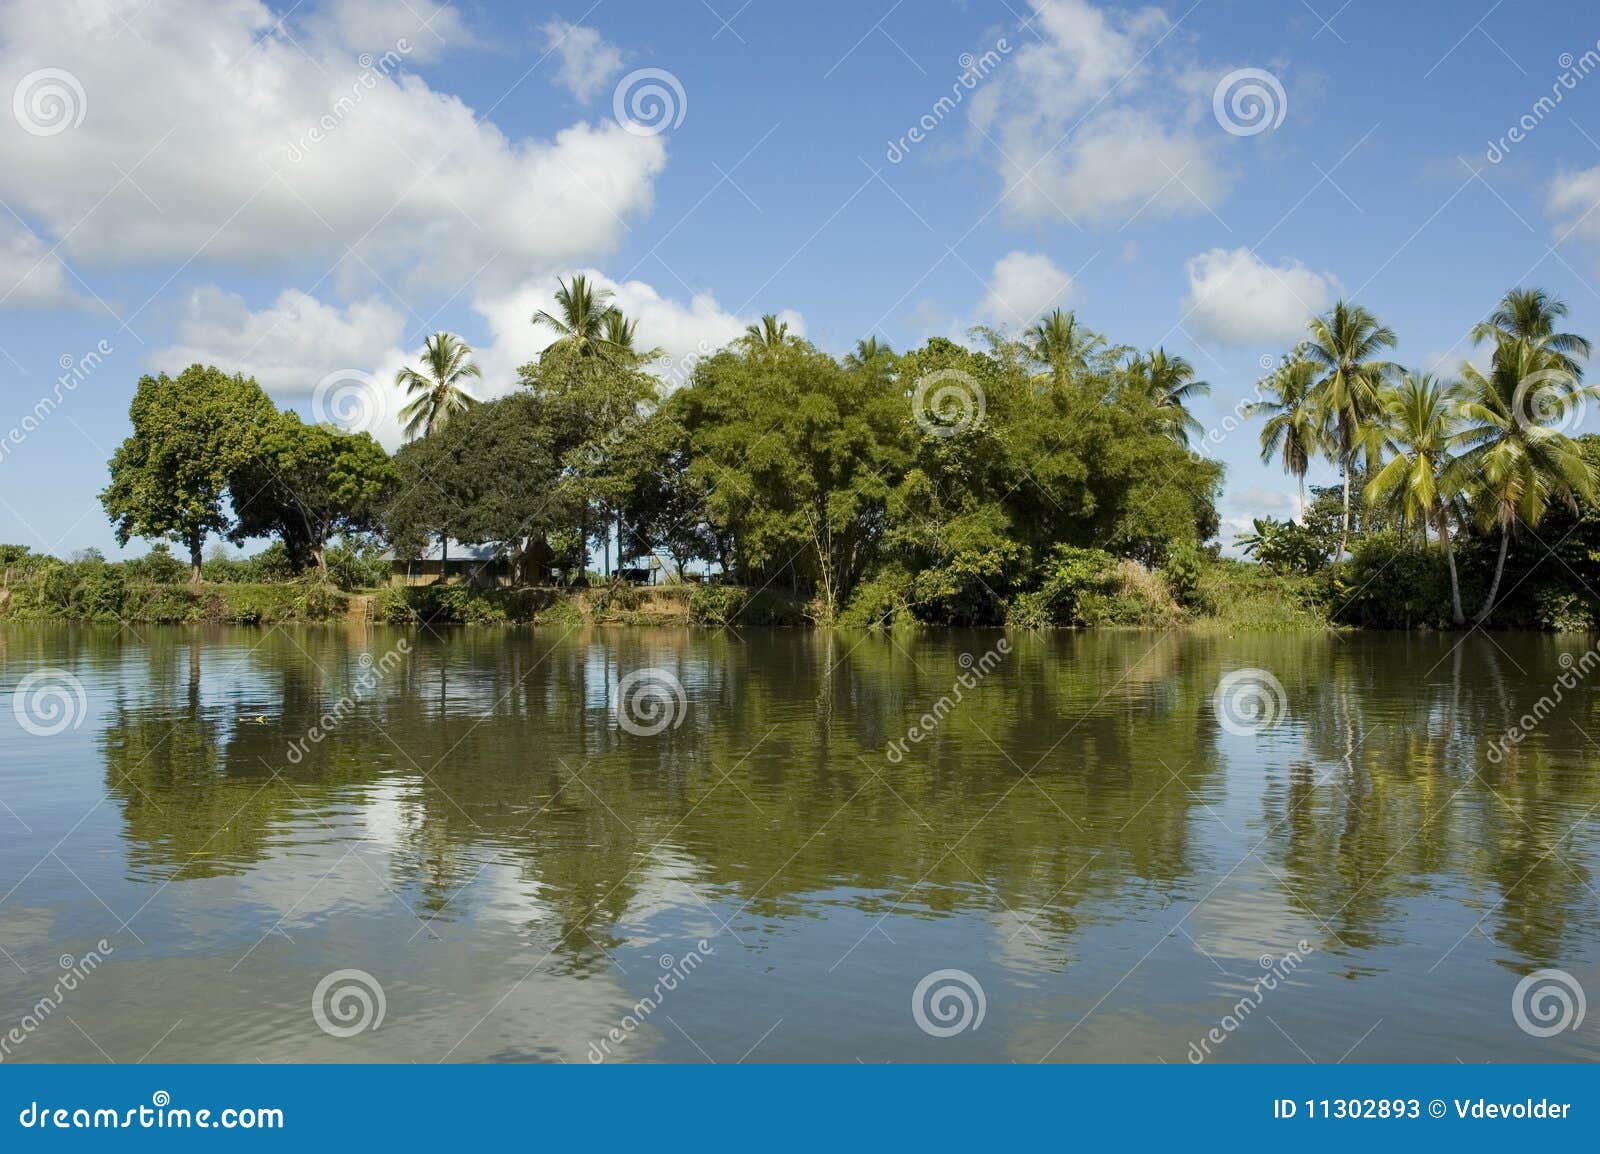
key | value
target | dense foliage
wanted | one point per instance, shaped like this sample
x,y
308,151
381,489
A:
x,y
1041,480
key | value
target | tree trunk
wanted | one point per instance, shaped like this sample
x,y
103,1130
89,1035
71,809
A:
x,y
444,559
196,539
1499,569
1450,557
1344,534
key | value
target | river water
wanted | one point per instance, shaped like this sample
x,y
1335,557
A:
x,y
359,844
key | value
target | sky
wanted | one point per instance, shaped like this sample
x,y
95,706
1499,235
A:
x,y
303,191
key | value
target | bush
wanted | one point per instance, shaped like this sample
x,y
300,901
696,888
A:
x,y
1393,582
716,605
1091,587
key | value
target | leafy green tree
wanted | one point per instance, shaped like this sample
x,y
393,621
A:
x,y
191,433
1419,422
1513,466
797,458
1344,346
307,484
489,478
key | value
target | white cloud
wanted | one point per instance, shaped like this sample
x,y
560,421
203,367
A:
x,y
1022,286
1237,298
1097,122
30,276
376,26
586,64
209,105
1573,201
288,346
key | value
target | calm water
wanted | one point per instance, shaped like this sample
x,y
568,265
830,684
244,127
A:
x,y
478,833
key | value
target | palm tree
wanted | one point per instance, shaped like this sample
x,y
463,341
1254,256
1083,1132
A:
x,y
1344,347
1515,466
436,391
583,324
1296,428
769,334
1059,341
868,350
1169,383
1531,315
1418,426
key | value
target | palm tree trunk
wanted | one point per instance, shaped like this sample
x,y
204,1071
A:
x,y
1344,534
1499,570
1456,615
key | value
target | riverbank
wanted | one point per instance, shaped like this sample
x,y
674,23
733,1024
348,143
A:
x,y
1222,594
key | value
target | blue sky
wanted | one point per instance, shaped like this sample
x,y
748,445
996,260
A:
x,y
302,193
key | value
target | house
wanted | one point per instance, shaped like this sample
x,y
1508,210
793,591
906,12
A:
x,y
459,564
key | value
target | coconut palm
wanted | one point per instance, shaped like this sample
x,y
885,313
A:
x,y
1059,341
1532,315
1169,383
582,325
1418,426
619,340
1515,466
1296,427
769,334
1344,346
437,391
868,350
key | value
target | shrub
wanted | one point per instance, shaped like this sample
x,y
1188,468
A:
x,y
1393,582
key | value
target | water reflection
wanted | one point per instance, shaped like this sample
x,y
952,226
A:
x,y
1080,833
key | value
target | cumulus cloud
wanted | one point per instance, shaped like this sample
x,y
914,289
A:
x,y
1237,298
1022,286
586,64
244,140
288,346
1574,203
30,276
376,26
1097,121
